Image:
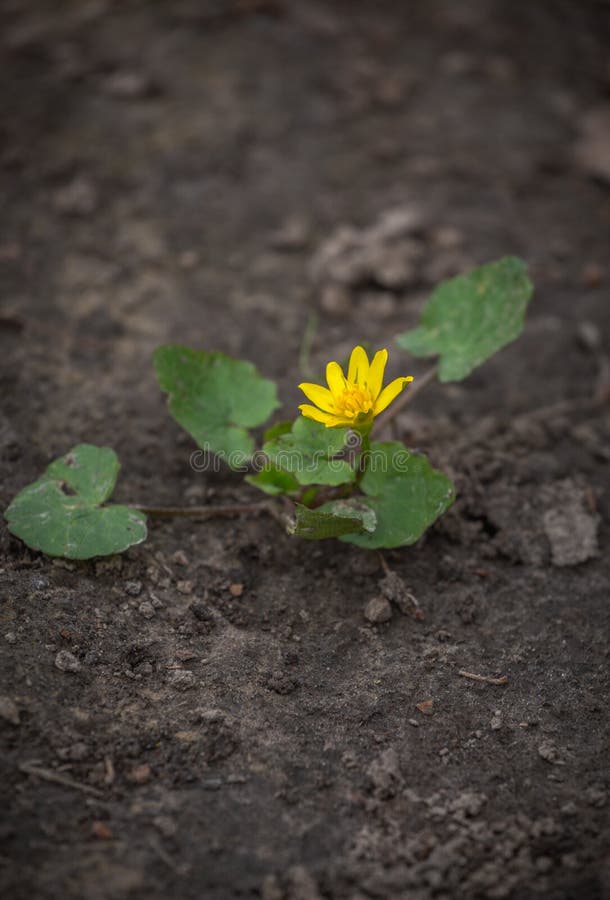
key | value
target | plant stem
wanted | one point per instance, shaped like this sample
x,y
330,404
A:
x,y
306,345
205,512
364,456
406,397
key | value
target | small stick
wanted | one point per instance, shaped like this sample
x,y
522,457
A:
x,y
56,778
384,564
406,397
205,512
486,678
110,773
180,869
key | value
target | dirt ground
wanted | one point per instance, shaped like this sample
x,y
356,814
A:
x,y
211,715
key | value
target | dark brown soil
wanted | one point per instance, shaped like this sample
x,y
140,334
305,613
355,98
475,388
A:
x,y
169,171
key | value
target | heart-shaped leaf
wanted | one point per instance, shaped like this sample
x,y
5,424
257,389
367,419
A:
x,y
468,318
273,481
61,513
216,399
406,494
308,450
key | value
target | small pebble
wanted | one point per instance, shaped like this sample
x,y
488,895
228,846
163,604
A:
x,y
66,662
133,588
40,583
211,784
180,558
75,753
497,721
146,609
101,831
140,774
9,711
236,590
202,611
378,610
10,637
185,587
145,668
549,752
589,335
182,679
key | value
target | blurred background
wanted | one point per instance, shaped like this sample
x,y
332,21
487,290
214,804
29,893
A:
x,y
229,173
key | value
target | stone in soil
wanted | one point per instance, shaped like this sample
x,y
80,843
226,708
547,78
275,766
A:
x,y
67,662
9,711
378,610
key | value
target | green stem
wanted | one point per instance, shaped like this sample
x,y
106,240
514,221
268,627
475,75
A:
x,y
364,456
306,345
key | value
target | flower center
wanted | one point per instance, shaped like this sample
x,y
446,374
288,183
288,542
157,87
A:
x,y
355,401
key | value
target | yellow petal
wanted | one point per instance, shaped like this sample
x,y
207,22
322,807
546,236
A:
x,y
337,422
358,371
376,372
319,395
390,392
311,412
335,378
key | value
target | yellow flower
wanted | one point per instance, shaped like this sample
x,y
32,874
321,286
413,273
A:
x,y
355,400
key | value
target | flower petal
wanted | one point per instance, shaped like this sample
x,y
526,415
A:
x,y
311,412
390,392
376,371
319,395
337,422
335,378
358,370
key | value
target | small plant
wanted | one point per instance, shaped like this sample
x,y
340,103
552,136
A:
x,y
325,468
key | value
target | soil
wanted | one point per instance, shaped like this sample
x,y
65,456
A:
x,y
211,715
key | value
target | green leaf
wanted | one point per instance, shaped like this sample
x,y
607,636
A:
x,y
215,398
406,494
340,517
468,318
61,513
274,431
308,451
273,481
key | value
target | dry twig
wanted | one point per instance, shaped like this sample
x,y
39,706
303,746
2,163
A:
x,y
56,778
485,678
405,398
